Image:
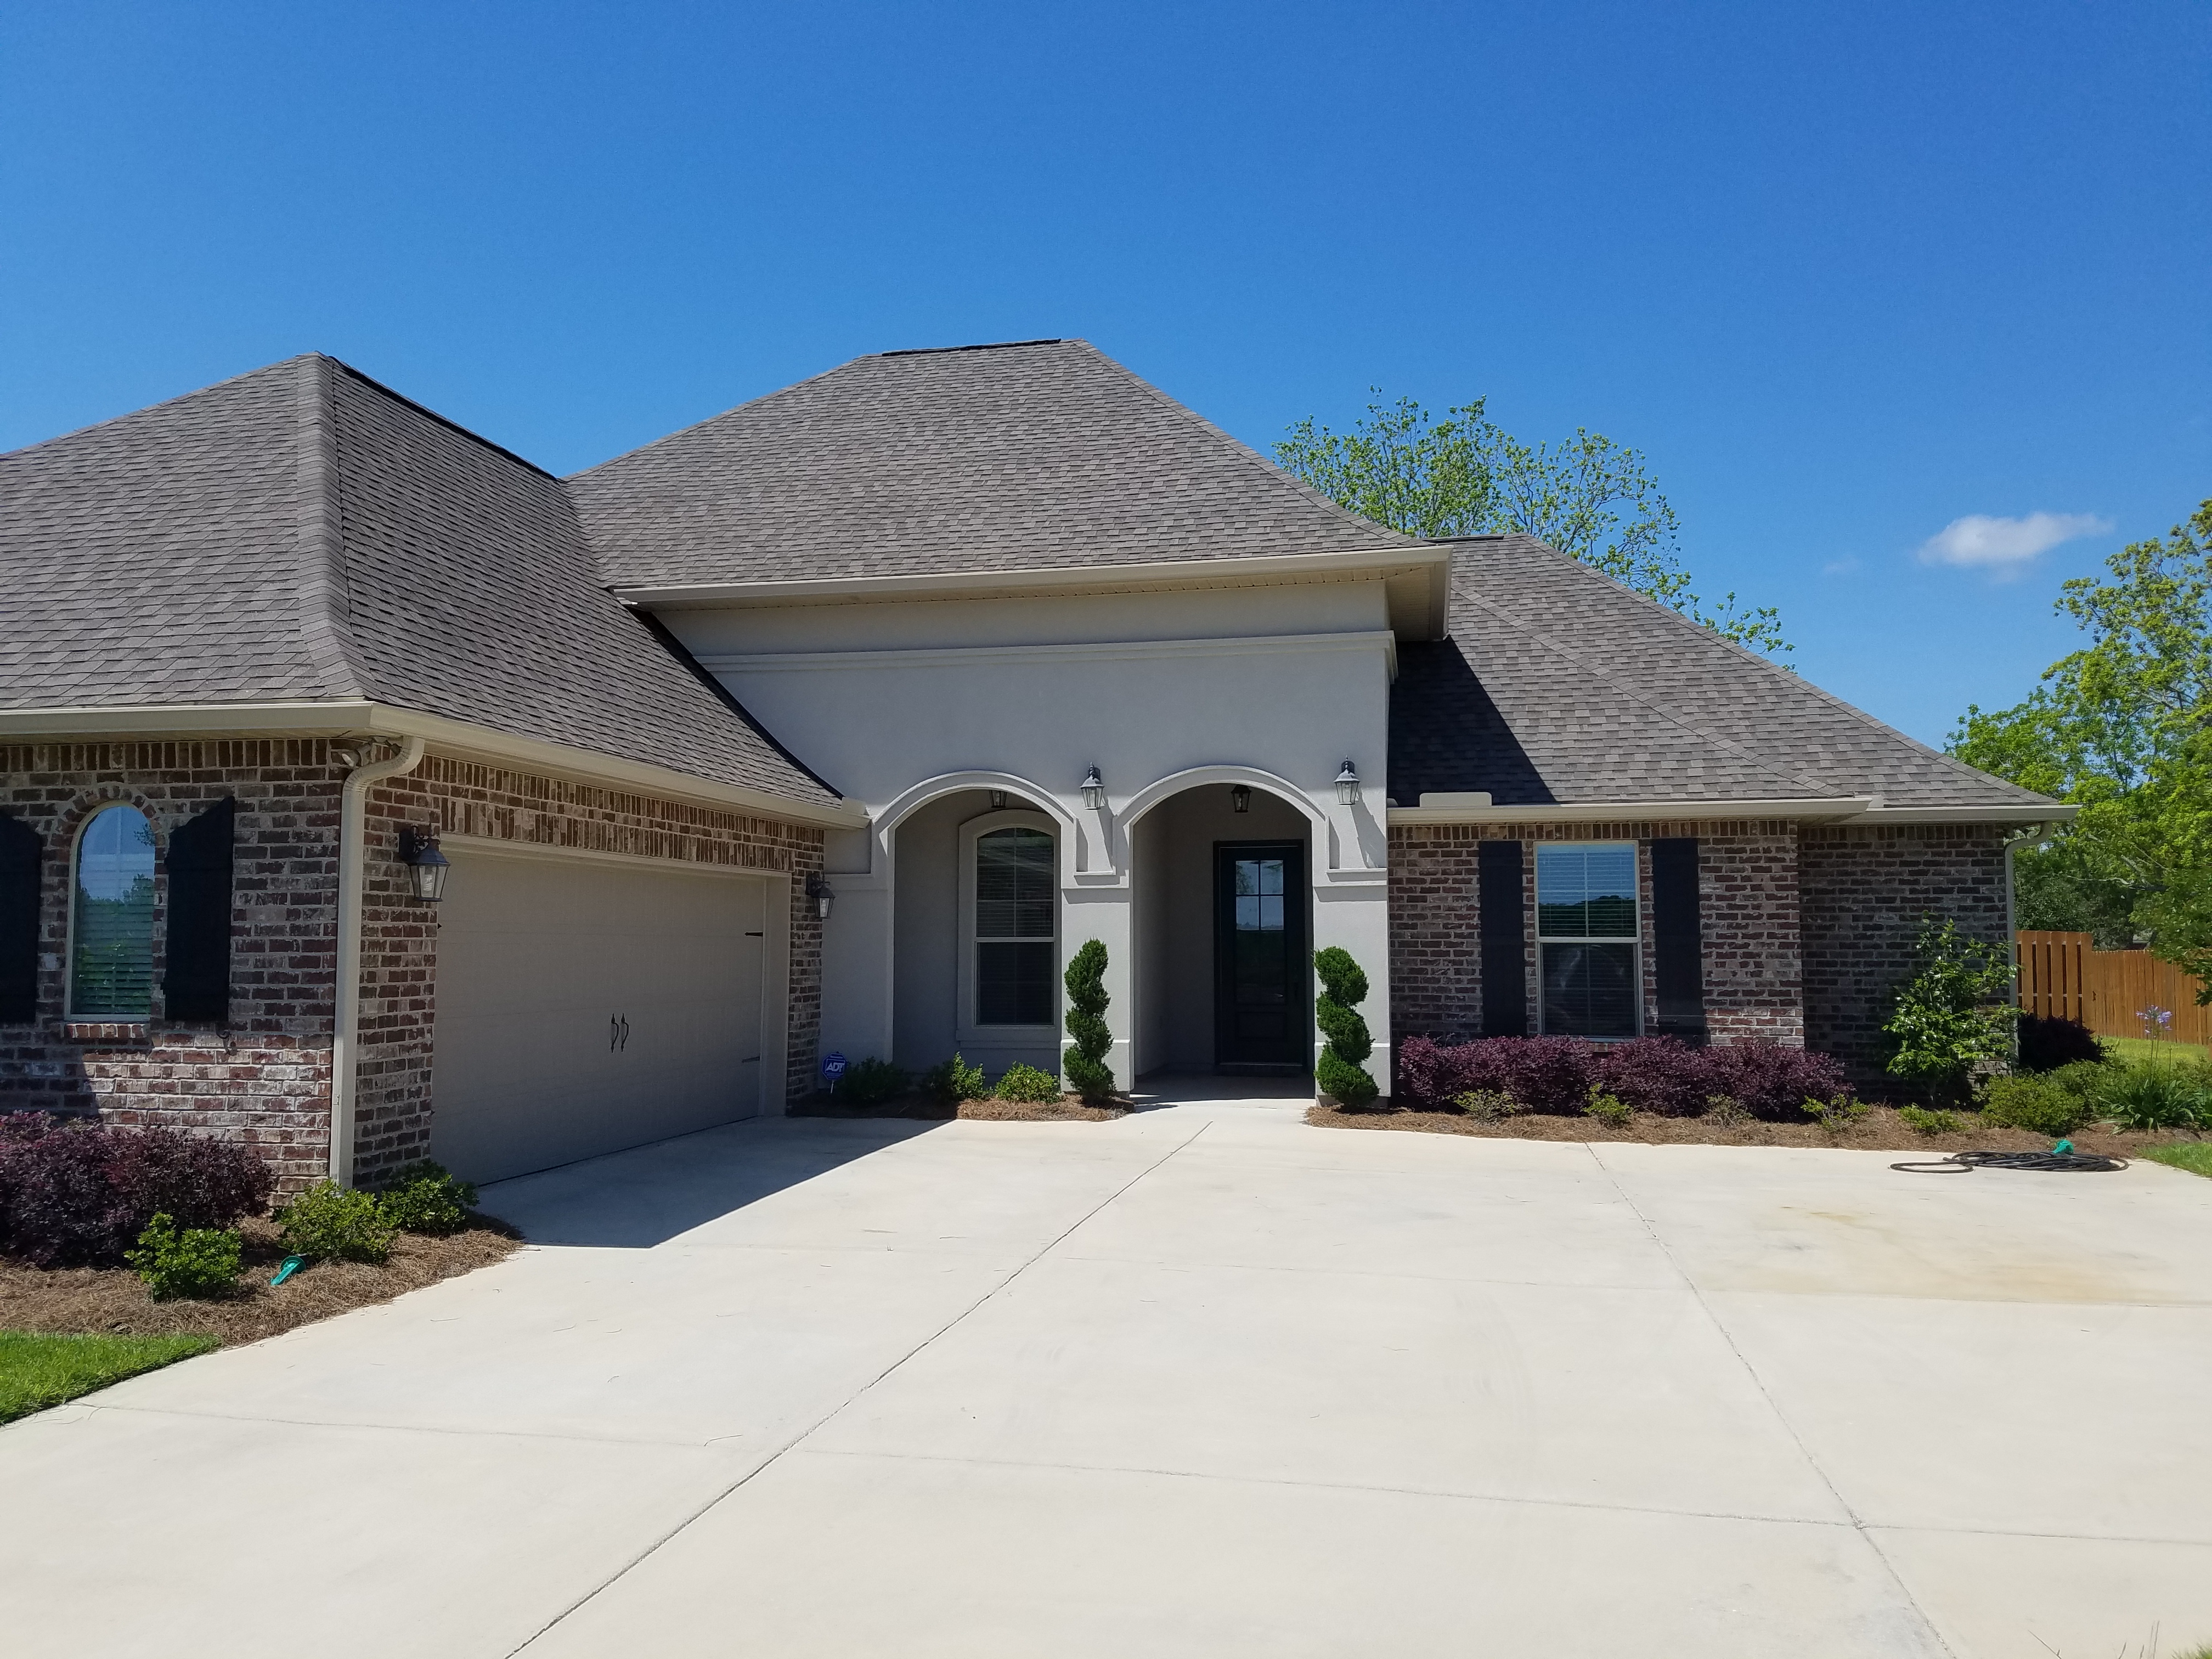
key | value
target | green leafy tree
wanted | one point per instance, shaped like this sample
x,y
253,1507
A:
x,y
2123,729
1339,1070
1463,476
1954,1014
1084,1063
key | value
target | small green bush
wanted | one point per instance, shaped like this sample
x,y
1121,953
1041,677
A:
x,y
2041,1104
955,1080
331,1223
2081,1079
1487,1105
1835,1114
1609,1109
198,1262
871,1082
1023,1082
425,1197
1339,1072
1925,1123
1725,1111
1085,1062
2158,1097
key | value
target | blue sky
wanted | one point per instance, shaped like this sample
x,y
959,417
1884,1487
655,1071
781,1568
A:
x,y
1847,273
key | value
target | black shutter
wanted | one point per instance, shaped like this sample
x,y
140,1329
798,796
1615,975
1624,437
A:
x,y
197,985
1678,952
1499,899
18,922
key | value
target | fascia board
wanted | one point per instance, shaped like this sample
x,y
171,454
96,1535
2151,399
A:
x,y
1829,809
2052,813
356,718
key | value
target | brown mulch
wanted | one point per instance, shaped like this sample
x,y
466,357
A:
x,y
114,1300
1068,1109
1880,1130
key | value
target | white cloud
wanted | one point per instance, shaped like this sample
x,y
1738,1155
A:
x,y
1982,541
1843,567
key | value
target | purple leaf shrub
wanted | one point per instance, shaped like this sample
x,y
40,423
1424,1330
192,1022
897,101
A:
x,y
1650,1074
76,1193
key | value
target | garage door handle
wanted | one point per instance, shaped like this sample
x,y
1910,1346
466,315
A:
x,y
625,1032
617,1033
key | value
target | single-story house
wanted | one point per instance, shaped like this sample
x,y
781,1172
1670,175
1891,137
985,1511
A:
x,y
367,792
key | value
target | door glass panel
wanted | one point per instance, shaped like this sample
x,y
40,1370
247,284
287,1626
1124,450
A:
x,y
1259,896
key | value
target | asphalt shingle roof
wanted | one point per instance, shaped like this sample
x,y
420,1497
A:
x,y
1559,685
1046,453
301,533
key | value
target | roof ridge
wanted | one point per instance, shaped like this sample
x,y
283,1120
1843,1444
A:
x,y
325,589
984,345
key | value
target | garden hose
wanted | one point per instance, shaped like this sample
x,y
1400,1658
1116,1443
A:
x,y
2060,1157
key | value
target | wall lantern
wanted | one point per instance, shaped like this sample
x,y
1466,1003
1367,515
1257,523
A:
x,y
426,864
998,800
818,889
1094,790
1240,797
1347,785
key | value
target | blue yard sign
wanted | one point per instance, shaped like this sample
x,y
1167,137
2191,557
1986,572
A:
x,y
833,1067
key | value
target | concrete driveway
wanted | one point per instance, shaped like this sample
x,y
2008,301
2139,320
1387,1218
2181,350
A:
x,y
1203,1381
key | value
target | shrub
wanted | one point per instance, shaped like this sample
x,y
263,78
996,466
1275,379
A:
x,y
1725,1111
2046,1044
1836,1113
1954,1014
955,1080
871,1082
74,1192
1085,1062
331,1223
2039,1104
1651,1074
425,1197
1338,1072
1609,1109
1770,1080
1922,1121
2081,1079
198,1262
1487,1105
1661,1075
1021,1082
2158,1097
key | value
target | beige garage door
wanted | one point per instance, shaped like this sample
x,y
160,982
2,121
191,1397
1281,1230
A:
x,y
584,1007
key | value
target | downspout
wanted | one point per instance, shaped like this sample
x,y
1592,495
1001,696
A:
x,y
353,856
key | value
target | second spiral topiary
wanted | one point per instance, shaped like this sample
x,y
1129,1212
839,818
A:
x,y
1084,1063
1339,1072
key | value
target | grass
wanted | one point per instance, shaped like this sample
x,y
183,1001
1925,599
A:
x,y
2142,1048
37,1371
2194,1156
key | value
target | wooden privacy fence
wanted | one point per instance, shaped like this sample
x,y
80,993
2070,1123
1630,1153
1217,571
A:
x,y
2065,977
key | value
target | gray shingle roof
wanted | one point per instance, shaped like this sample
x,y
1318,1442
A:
x,y
1559,685
301,533
1045,453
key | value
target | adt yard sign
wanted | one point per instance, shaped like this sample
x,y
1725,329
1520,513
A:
x,y
833,1067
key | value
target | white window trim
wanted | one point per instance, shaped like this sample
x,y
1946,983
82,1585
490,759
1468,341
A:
x,y
970,1034
69,1011
1634,940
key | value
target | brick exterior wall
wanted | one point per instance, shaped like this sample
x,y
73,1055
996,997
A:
x,y
264,1078
1748,916
1864,893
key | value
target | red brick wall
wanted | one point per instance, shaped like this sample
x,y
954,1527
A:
x,y
264,1078
1865,891
1748,907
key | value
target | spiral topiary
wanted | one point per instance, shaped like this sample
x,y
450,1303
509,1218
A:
x,y
1084,1063
1338,1072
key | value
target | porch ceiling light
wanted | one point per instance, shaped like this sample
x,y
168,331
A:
x,y
1347,784
1240,797
427,866
818,889
1094,790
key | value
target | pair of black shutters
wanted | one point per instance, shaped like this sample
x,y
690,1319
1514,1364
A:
x,y
196,987
1677,958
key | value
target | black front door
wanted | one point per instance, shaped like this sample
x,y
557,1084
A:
x,y
1260,957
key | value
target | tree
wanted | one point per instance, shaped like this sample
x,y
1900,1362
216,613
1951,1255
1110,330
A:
x,y
1343,987
1953,1015
2123,729
1085,1065
1463,476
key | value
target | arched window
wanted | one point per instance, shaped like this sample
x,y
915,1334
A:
x,y
112,917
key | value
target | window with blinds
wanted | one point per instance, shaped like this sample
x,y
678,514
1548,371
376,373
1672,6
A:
x,y
112,919
1015,903
1586,934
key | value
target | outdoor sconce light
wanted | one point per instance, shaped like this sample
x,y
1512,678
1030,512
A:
x,y
998,800
1094,790
1347,785
426,864
818,889
1240,797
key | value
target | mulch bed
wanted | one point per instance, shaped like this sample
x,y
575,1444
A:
x,y
1880,1130
115,1300
1068,1109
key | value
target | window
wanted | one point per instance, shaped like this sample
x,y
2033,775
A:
x,y
1586,933
1015,926
111,918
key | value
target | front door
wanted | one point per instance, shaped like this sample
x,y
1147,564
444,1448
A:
x,y
1260,957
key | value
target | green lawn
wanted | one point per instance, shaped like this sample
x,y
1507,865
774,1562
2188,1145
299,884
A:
x,y
2146,1049
2194,1156
38,1371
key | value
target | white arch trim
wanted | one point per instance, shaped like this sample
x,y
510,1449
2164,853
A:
x,y
1324,832
1075,847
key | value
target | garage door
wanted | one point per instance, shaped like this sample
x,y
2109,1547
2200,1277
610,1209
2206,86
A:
x,y
584,1007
